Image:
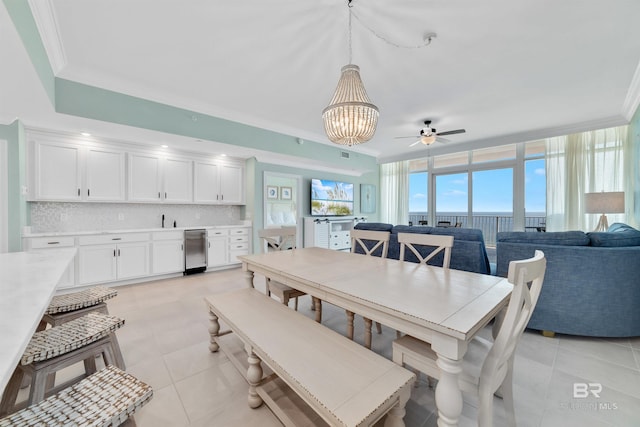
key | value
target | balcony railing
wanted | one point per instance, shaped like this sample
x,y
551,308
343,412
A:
x,y
489,224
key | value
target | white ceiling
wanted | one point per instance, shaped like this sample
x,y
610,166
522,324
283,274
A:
x,y
505,71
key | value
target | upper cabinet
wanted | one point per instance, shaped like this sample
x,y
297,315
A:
x,y
67,172
62,168
219,183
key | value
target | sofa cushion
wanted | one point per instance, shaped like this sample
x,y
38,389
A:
x,y
471,234
561,238
620,237
374,226
411,229
619,226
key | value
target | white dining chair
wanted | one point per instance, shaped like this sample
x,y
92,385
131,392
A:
x,y
279,239
369,241
487,366
438,242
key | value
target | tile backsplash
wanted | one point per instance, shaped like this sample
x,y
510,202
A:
x,y
68,217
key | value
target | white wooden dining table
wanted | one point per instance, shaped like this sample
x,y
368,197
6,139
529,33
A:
x,y
444,307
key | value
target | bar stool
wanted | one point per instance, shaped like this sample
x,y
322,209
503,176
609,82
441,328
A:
x,y
81,339
64,308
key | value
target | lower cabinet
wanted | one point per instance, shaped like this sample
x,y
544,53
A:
x,y
112,257
52,243
217,248
167,252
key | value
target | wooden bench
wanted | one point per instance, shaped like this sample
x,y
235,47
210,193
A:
x,y
106,398
343,382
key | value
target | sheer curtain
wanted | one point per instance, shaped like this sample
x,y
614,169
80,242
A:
x,y
394,193
582,163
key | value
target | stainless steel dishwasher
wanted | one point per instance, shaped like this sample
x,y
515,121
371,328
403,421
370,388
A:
x,y
195,251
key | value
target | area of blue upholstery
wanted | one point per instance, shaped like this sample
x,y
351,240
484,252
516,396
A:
x,y
588,290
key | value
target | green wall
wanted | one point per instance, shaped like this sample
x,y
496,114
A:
x,y
634,164
18,215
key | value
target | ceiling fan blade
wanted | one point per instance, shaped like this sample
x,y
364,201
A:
x,y
417,142
443,140
451,132
402,137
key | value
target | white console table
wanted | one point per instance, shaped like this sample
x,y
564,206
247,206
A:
x,y
330,232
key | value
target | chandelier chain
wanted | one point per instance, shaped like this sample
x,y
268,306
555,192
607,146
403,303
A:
x,y
427,38
350,49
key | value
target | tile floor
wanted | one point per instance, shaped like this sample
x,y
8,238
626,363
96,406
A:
x,y
165,341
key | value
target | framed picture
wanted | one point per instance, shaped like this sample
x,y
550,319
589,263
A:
x,y
285,193
272,192
367,198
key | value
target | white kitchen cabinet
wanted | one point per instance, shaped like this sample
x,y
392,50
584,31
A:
x,y
105,175
238,243
178,180
58,171
53,243
107,258
219,183
145,179
217,247
329,232
167,252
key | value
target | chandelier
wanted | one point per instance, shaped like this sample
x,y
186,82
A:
x,y
350,118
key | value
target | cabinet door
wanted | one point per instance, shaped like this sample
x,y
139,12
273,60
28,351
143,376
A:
x,y
206,183
96,264
144,178
168,257
232,184
57,172
133,260
104,175
178,178
217,252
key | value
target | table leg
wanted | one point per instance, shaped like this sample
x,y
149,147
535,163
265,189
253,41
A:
x,y
448,394
248,275
214,328
318,307
350,317
367,332
254,376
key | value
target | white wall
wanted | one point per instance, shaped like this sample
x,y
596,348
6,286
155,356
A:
x,y
4,206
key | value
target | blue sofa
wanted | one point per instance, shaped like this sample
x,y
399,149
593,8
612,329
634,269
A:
x,y
468,252
592,282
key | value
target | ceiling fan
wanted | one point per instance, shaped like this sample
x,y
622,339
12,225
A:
x,y
429,135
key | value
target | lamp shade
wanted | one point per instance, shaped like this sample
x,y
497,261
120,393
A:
x,y
350,118
428,140
602,203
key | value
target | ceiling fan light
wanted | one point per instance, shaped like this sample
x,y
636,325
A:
x,y
428,139
350,118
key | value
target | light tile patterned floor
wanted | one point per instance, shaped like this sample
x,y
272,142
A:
x,y
165,341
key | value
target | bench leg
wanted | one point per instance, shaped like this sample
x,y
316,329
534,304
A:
x,y
367,333
214,328
395,417
318,307
248,276
254,376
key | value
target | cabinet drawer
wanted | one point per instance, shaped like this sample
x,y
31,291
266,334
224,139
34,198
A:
x,y
217,232
51,242
239,246
168,235
238,231
113,238
239,238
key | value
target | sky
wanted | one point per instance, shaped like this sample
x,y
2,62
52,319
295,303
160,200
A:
x,y
492,190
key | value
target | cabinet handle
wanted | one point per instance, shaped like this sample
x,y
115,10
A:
x,y
52,243
117,238
209,245
217,197
118,252
88,192
222,197
165,194
114,252
158,194
182,247
78,191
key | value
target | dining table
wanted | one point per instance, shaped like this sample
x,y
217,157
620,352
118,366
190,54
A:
x,y
28,282
444,307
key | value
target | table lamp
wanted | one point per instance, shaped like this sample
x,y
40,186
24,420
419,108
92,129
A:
x,y
604,203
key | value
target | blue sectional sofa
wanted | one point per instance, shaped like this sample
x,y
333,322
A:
x,y
468,252
592,282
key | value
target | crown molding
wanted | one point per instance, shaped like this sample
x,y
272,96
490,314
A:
x,y
632,99
45,18
534,135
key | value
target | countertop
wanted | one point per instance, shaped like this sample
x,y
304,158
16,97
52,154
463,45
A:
x,y
28,281
133,230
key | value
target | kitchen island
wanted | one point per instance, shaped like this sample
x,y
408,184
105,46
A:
x,y
28,281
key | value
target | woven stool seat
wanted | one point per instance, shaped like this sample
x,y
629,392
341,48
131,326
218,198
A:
x,y
80,299
69,336
106,398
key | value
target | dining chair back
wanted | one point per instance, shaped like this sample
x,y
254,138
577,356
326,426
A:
x,y
440,243
376,239
496,371
279,239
